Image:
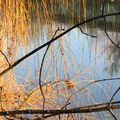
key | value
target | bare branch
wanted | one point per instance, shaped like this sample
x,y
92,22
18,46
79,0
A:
x,y
84,109
108,35
105,29
91,82
86,33
114,94
50,115
65,106
40,84
5,58
51,41
41,66
111,112
29,95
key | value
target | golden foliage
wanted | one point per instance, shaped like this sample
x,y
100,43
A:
x,y
69,84
14,22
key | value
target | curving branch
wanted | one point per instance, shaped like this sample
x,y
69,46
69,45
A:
x,y
86,33
111,112
91,82
105,25
5,58
114,95
54,39
41,66
105,29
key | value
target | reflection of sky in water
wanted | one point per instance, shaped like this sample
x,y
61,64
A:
x,y
86,57
82,47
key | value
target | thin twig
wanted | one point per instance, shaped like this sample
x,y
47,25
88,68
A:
x,y
114,94
86,33
108,35
5,58
65,106
41,66
105,24
51,41
40,84
91,82
110,103
29,95
111,112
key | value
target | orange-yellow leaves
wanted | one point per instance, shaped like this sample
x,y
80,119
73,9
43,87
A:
x,y
69,84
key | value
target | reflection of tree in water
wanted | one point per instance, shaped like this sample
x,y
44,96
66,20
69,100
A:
x,y
114,57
